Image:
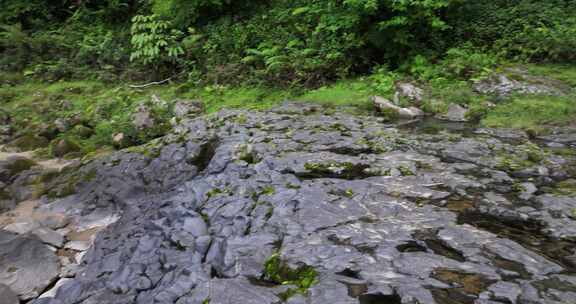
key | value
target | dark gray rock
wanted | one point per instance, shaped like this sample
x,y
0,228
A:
x,y
383,215
7,296
28,266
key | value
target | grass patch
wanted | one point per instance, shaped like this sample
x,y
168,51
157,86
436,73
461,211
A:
x,y
217,98
532,112
563,72
354,92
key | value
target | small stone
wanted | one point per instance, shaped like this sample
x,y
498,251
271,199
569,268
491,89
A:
x,y
119,140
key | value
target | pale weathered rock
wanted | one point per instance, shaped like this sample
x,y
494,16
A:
x,y
119,139
142,118
384,105
455,113
187,108
410,91
22,227
52,291
502,85
77,245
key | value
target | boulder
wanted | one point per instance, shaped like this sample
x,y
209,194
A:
x,y
142,118
409,91
455,113
82,131
386,106
28,266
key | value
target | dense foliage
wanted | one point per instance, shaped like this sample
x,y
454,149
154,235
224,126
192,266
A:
x,y
304,42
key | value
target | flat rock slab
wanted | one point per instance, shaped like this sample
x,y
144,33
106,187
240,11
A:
x,y
27,265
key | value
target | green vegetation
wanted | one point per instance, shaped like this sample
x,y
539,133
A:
x,y
532,111
276,271
67,66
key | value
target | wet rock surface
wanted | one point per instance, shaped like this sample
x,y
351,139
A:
x,y
381,214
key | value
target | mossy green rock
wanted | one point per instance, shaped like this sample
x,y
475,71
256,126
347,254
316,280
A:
x,y
13,166
82,131
62,147
29,142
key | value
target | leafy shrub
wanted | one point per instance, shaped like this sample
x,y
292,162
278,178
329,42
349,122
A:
x,y
153,40
519,29
466,63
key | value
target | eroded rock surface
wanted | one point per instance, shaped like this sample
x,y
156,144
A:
x,y
381,214
27,266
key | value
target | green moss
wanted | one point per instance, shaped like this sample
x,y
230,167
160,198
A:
x,y
90,175
268,190
567,187
5,195
405,170
150,150
19,165
278,272
511,162
246,153
534,153
29,142
219,191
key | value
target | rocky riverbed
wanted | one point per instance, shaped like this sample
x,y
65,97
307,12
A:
x,y
298,205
